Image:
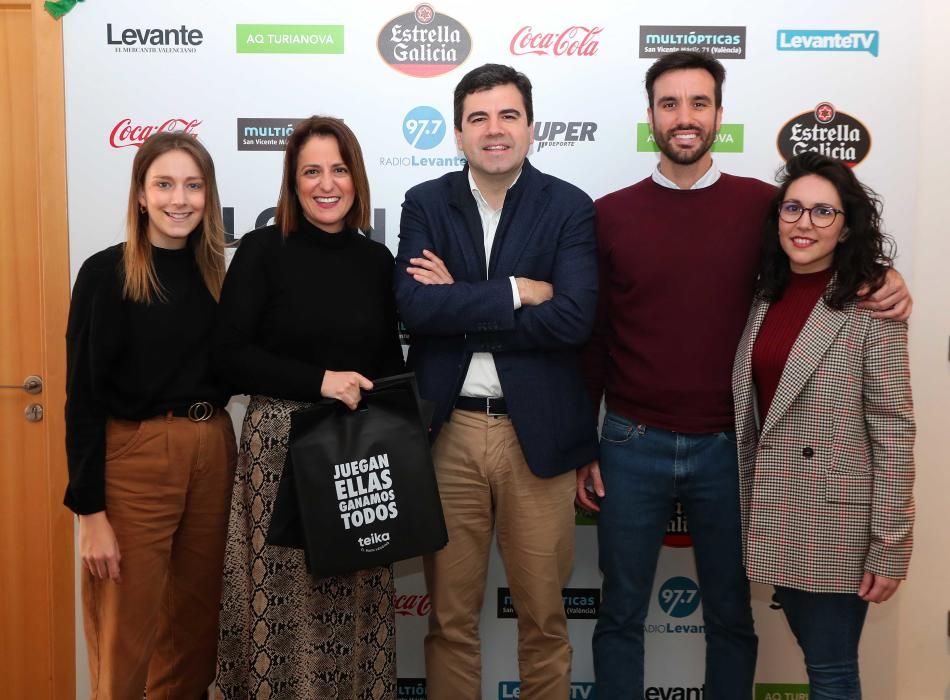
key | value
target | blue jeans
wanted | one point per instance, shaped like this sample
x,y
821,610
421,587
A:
x,y
645,470
828,629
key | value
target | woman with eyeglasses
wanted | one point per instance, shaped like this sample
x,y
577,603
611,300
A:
x,y
824,420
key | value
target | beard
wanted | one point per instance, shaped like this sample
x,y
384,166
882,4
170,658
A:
x,y
684,157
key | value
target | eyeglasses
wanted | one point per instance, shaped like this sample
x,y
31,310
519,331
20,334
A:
x,y
821,215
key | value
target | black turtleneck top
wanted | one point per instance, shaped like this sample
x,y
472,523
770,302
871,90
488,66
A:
x,y
293,308
131,360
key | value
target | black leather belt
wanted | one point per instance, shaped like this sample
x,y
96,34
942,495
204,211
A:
x,y
198,412
489,406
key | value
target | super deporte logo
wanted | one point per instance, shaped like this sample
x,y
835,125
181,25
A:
x,y
562,134
867,40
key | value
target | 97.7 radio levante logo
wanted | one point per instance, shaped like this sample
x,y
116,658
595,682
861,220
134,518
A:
x,y
679,596
423,127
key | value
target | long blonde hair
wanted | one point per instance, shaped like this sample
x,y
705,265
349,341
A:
x,y
141,283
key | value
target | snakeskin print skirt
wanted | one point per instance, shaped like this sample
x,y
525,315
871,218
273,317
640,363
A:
x,y
284,634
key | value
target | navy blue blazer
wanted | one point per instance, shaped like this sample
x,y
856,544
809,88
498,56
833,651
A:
x,y
546,232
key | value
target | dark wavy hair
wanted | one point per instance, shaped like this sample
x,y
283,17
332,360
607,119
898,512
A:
x,y
686,60
862,256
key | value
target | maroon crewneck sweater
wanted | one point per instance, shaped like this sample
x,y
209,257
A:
x,y
677,272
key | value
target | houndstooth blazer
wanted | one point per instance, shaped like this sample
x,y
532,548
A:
x,y
826,478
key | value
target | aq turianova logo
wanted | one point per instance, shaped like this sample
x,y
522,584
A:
x,y
423,43
781,691
290,38
827,131
562,134
721,42
730,139
511,690
153,39
828,40
264,134
579,603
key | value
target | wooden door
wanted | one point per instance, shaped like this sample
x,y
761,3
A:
x,y
37,650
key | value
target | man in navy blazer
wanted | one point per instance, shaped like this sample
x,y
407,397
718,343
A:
x,y
496,282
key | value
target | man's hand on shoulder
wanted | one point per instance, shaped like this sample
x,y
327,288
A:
x,y
892,301
429,269
533,292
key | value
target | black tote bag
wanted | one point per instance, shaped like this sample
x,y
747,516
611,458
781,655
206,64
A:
x,y
358,488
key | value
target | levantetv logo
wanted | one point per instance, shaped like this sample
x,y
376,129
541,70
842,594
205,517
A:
x,y
509,690
828,40
153,39
423,43
730,139
290,38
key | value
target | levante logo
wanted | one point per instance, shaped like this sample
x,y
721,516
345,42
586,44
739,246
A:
x,y
423,43
153,39
827,131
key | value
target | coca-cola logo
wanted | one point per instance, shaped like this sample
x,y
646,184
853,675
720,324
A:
x,y
424,43
827,131
125,133
413,605
576,40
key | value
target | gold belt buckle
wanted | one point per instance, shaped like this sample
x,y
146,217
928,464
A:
x,y
200,411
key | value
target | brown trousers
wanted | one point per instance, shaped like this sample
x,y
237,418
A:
x,y
484,481
168,492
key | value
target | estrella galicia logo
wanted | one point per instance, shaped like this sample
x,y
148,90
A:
x,y
507,690
423,127
720,42
562,134
677,530
579,603
867,40
679,596
154,40
827,131
423,43
414,688
255,134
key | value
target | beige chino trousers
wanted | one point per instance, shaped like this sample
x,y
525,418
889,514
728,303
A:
x,y
485,482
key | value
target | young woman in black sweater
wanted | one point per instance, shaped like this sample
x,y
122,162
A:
x,y
150,447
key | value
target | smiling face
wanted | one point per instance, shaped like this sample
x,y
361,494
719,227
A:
x,y
324,185
809,248
684,116
495,134
173,195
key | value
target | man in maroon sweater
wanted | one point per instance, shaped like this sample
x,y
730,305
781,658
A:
x,y
678,255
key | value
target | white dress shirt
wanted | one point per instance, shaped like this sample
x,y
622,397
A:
x,y
482,378
705,181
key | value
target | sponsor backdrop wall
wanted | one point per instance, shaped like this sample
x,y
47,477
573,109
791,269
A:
x,y
837,78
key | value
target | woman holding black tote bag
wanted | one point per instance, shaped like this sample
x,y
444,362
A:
x,y
307,312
